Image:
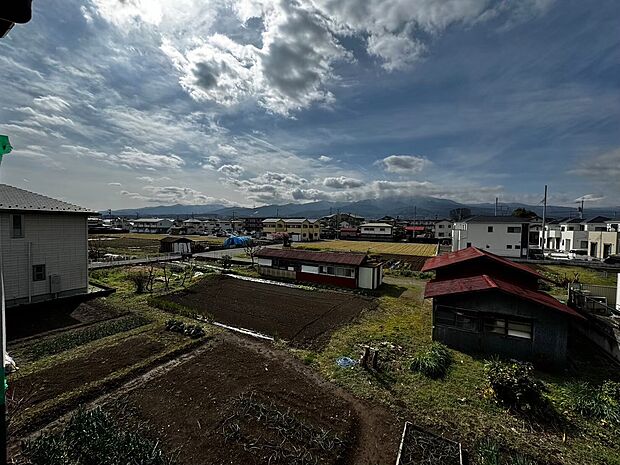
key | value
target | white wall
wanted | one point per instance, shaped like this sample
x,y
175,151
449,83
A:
x,y
443,227
58,241
495,242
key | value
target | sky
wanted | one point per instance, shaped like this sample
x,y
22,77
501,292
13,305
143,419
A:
x,y
129,103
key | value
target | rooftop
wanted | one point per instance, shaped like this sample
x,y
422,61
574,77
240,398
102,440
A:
x,y
494,219
377,225
486,283
339,258
473,253
15,199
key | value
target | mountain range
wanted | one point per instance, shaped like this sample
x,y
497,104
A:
x,y
420,207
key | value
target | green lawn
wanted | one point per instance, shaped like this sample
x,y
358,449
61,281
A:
x,y
458,406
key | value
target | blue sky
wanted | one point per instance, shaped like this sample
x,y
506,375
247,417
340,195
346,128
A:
x,y
115,104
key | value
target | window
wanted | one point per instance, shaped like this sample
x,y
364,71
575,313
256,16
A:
x,y
503,327
514,229
517,246
17,226
38,272
469,244
381,229
520,329
490,228
456,319
509,247
441,226
583,244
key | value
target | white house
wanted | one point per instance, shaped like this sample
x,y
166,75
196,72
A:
x,y
442,229
575,233
44,247
152,225
507,236
376,231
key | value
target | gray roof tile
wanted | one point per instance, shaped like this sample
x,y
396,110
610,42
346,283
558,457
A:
x,y
15,199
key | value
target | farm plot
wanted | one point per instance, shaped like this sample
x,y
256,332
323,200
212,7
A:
x,y
36,319
41,392
375,248
243,403
304,318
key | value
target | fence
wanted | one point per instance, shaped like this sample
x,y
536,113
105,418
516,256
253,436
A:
x,y
594,298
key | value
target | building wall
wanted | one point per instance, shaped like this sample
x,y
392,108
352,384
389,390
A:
x,y
498,241
607,243
549,328
442,229
327,279
58,241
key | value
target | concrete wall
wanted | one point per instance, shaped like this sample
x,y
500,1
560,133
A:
x,y
611,239
497,241
58,241
549,328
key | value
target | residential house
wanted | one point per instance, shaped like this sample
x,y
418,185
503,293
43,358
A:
x,y
352,270
575,233
253,224
175,245
484,303
507,236
152,225
442,229
376,232
298,229
337,221
43,246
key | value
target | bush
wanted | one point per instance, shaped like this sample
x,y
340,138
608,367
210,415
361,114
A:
x,y
601,403
78,337
93,438
513,386
193,331
433,362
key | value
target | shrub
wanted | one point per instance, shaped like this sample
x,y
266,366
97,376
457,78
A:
x,y
93,438
513,386
601,403
433,362
193,331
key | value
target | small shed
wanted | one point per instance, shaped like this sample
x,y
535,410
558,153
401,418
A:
x,y
175,244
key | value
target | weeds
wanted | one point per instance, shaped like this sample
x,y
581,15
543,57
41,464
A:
x,y
433,362
489,452
284,438
601,403
93,438
178,309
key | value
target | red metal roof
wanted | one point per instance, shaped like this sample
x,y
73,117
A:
x,y
473,253
414,228
485,283
339,258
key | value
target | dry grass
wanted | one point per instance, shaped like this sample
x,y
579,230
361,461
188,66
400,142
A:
x,y
379,248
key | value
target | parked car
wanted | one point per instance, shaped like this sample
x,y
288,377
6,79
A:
x,y
612,260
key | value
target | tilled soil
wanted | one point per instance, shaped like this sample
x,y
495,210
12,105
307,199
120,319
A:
x,y
41,318
304,318
193,409
51,382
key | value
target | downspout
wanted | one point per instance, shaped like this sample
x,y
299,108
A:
x,y
29,271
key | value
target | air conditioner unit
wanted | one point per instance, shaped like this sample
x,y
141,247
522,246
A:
x,y
54,283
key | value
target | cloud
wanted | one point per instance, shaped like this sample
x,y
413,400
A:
x,y
590,198
342,182
325,158
116,184
403,164
289,62
174,195
51,103
231,170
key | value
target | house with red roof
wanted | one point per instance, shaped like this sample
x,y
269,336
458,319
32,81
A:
x,y
485,303
343,269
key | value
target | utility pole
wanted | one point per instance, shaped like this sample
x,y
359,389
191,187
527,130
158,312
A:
x,y
496,202
544,222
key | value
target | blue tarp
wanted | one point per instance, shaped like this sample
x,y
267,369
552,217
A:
x,y
237,241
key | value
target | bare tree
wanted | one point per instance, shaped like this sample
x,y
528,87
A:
x,y
141,280
251,248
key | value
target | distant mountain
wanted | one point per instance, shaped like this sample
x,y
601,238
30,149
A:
x,y
421,207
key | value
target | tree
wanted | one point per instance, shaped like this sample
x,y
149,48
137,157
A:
x,y
251,248
225,261
524,213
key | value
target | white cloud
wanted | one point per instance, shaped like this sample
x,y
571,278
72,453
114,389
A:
x,y
231,170
174,195
403,164
115,184
325,158
342,182
590,198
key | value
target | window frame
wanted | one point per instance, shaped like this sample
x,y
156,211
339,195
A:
x,y
21,234
38,272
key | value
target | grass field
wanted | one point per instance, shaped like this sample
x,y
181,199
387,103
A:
x,y
378,248
138,244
